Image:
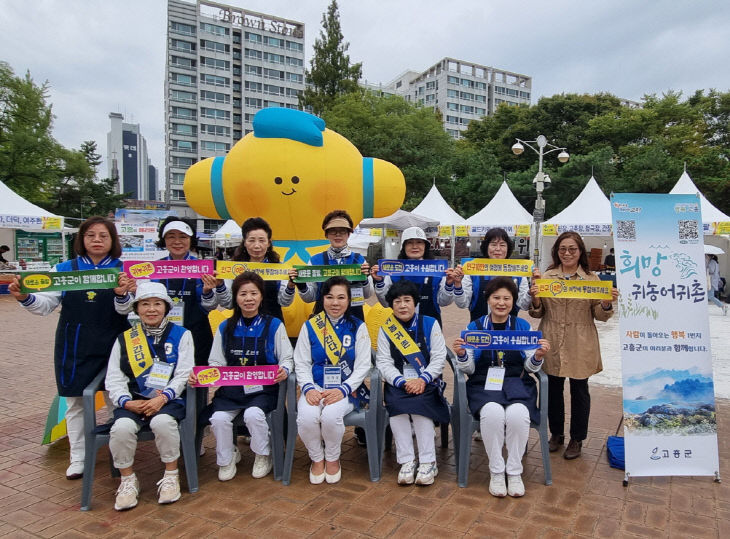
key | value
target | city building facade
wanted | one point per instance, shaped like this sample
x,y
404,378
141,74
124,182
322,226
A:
x,y
128,162
223,65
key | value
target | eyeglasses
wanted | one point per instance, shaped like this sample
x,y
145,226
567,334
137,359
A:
x,y
102,237
337,231
571,250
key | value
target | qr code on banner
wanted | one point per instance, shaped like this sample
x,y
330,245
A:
x,y
688,229
626,230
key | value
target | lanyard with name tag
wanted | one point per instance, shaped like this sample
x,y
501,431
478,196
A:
x,y
159,375
358,296
409,372
332,376
495,375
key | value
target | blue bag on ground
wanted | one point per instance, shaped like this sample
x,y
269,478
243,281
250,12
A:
x,y
615,452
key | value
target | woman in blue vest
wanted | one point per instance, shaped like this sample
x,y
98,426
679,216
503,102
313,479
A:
x,y
337,226
250,337
332,358
147,387
192,299
87,327
256,246
433,292
411,366
496,245
504,413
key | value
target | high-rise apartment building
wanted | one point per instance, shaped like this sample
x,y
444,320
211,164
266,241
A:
x,y
223,64
128,160
461,91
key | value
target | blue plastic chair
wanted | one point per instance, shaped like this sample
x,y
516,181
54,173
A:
x,y
97,436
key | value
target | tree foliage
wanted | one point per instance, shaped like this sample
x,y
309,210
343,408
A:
x,y
331,73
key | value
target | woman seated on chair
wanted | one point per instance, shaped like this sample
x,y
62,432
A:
x,y
411,355
332,358
248,338
511,406
148,369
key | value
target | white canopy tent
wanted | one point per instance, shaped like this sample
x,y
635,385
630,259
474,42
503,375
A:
x,y
434,206
400,220
503,211
16,213
589,215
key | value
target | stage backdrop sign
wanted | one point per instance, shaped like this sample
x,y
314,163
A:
x,y
668,391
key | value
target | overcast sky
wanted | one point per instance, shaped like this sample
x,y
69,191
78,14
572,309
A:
x,y
105,56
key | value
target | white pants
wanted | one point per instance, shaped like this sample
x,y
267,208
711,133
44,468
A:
x,y
123,440
322,424
221,423
75,425
403,437
494,419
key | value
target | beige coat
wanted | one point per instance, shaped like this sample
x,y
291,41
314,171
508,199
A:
x,y
568,325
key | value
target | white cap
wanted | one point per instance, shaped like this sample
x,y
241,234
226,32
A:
x,y
178,225
413,233
150,289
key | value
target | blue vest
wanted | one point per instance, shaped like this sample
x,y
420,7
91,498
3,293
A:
x,y
253,344
346,330
513,360
420,331
321,259
428,291
478,305
167,350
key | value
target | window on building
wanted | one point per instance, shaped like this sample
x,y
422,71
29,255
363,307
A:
x,y
236,135
215,63
479,111
184,129
431,85
293,92
182,162
274,42
467,96
480,98
236,86
237,119
179,61
273,74
177,194
468,109
253,70
182,112
185,97
182,79
210,146
253,38
268,103
184,146
217,130
177,178
452,106
452,93
452,80
480,85
524,95
270,89
248,117
253,86
215,80
236,54
182,45
274,58
295,77
254,102
216,97
236,102
294,46
468,83
214,46
237,37
296,62
182,28
253,54
217,114
452,119
214,29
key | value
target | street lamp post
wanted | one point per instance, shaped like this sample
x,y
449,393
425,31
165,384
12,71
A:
x,y
541,181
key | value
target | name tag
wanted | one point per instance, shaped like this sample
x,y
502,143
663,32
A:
x,y
159,375
358,296
332,376
252,389
495,379
409,372
176,314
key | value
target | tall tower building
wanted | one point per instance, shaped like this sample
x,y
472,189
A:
x,y
128,160
223,64
462,91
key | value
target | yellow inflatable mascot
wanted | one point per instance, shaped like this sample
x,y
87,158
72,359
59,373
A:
x,y
292,171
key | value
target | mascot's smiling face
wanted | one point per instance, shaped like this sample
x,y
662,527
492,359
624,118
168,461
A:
x,y
292,171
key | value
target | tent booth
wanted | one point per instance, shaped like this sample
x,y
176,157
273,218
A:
x,y
503,211
452,227
589,215
32,233
229,235
391,226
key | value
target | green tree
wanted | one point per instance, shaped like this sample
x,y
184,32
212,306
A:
x,y
331,73
27,148
91,155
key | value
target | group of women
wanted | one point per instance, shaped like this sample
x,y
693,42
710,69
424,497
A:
x,y
331,358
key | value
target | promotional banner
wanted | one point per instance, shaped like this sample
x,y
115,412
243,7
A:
x,y
576,289
138,241
488,339
44,281
497,266
549,229
353,272
229,269
29,222
168,269
668,390
259,375
517,231
413,268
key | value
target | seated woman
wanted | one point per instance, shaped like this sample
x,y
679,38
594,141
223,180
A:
x,y
248,338
147,387
512,407
413,389
332,358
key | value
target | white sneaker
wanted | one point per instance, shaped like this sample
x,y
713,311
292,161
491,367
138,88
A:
x,y
168,488
75,470
407,473
426,473
515,486
478,435
262,466
228,472
127,493
497,485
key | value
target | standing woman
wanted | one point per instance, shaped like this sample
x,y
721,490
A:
x,y
256,246
504,412
496,245
196,297
337,226
433,293
413,389
250,337
332,358
87,327
569,325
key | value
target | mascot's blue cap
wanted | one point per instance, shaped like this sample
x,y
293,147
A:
x,y
278,122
